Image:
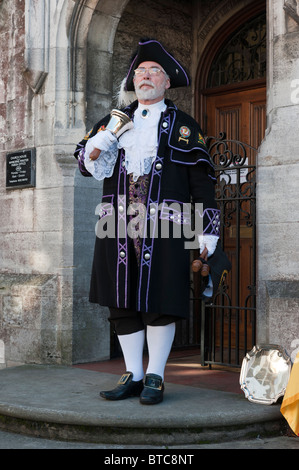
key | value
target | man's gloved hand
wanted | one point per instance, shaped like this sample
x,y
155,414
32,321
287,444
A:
x,y
101,141
207,246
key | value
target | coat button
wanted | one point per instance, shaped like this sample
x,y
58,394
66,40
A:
x,y
121,208
122,254
158,166
165,124
147,256
152,211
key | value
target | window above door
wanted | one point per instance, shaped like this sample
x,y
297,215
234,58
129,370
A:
x,y
242,57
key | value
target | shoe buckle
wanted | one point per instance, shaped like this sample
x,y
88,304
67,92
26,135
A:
x,y
124,378
156,384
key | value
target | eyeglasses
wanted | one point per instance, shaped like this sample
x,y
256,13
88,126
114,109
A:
x,y
151,70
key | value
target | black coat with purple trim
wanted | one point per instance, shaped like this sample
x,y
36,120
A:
x,y
181,174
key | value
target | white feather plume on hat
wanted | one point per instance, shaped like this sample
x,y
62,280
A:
x,y
124,97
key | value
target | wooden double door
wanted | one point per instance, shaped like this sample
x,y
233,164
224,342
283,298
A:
x,y
237,116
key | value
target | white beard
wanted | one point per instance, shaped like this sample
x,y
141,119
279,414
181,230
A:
x,y
149,93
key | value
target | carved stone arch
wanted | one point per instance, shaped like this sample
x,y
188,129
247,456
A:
x,y
82,23
219,15
91,29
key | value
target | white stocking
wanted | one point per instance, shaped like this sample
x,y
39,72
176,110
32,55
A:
x,y
159,341
132,349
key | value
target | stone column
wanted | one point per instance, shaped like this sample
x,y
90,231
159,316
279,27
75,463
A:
x,y
277,185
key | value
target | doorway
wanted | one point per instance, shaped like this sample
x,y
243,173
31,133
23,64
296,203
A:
x,y
232,104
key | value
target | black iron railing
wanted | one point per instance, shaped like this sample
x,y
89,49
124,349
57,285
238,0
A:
x,y
228,324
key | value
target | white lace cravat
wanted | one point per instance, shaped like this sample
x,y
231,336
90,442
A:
x,y
140,145
141,142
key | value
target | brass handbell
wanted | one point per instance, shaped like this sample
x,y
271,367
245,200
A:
x,y
119,123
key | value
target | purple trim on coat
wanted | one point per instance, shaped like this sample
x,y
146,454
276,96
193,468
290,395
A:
x,y
166,120
171,210
213,227
212,177
122,247
148,249
183,162
81,164
106,206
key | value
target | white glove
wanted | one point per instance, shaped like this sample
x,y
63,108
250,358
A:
x,y
102,141
103,166
209,241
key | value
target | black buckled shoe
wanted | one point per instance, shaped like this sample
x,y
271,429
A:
x,y
153,390
125,388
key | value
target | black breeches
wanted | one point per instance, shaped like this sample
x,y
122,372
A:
x,y
126,321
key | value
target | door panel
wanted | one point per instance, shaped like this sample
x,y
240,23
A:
x,y
240,114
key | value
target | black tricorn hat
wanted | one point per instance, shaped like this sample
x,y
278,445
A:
x,y
152,50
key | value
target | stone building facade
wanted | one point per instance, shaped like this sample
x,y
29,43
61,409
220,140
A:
x,y
62,62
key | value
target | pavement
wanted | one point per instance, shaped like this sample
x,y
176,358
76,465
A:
x,y
53,406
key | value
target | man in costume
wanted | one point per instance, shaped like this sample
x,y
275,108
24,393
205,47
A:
x,y
151,173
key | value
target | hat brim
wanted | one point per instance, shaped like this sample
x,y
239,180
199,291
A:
x,y
153,51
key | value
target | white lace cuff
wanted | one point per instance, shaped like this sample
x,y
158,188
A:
x,y
103,167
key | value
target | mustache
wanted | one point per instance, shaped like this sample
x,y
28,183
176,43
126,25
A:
x,y
146,82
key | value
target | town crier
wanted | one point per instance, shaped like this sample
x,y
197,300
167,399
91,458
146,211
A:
x,y
153,170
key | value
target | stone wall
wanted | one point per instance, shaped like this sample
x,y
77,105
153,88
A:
x,y
40,241
15,133
30,319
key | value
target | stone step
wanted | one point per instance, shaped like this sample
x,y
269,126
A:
x,y
63,403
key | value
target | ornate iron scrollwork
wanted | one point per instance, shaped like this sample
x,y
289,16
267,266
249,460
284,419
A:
x,y
234,306
235,177
243,57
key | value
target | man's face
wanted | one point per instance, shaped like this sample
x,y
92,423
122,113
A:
x,y
150,88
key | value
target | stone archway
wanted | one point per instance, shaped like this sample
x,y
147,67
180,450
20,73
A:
x,y
55,69
94,55
91,31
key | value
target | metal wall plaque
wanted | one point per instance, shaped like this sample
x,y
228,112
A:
x,y
265,374
20,169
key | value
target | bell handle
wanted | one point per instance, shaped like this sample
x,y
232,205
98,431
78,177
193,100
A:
x,y
94,155
201,264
